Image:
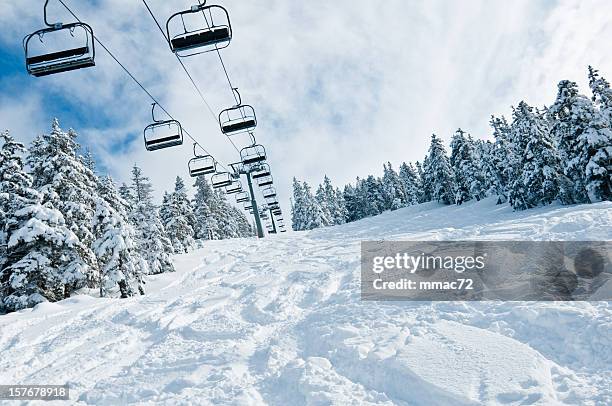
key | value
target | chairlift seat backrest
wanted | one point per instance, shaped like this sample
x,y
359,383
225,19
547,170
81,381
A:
x,y
155,138
213,30
221,179
43,62
237,119
201,165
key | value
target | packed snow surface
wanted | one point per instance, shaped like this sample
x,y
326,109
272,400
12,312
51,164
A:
x,y
280,321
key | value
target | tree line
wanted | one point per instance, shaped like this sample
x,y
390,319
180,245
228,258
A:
x,y
64,229
558,153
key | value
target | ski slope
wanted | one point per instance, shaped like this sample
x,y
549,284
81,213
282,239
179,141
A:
x,y
280,321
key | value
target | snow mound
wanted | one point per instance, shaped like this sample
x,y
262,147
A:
x,y
280,321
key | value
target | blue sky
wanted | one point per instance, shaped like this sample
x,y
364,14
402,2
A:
x,y
339,87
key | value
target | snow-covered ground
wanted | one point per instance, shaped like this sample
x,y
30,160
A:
x,y
280,321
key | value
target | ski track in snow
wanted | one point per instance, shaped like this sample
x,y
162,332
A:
x,y
280,321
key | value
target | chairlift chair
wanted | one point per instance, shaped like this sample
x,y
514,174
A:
x,y
248,205
264,170
234,187
243,197
162,133
253,154
201,165
221,179
212,32
239,118
269,192
265,181
50,54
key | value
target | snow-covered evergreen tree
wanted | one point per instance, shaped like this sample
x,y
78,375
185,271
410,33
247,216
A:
x,y
410,180
424,181
439,173
151,239
180,218
326,206
537,182
503,162
297,207
206,227
580,132
40,252
468,181
118,257
62,178
393,189
313,214
340,210
349,194
596,144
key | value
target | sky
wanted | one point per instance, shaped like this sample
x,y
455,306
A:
x,y
339,87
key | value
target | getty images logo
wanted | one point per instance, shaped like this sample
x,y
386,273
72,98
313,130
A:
x,y
425,262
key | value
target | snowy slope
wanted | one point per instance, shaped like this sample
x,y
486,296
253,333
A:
x,y
280,321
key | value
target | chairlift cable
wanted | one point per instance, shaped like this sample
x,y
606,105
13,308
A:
x,y
137,81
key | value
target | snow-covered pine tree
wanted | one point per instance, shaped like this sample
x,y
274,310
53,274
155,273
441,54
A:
x,y
503,162
579,134
334,202
228,226
151,239
410,181
313,214
439,172
537,182
484,153
596,144
243,226
602,94
424,181
117,254
351,204
206,224
323,202
468,181
340,210
89,161
369,197
62,178
297,207
394,192
40,252
179,220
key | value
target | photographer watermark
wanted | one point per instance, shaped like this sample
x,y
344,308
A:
x,y
486,270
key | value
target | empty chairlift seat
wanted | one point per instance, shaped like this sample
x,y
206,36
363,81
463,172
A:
x,y
269,193
199,29
234,187
237,119
265,181
253,154
221,179
263,170
202,165
163,134
243,197
60,48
